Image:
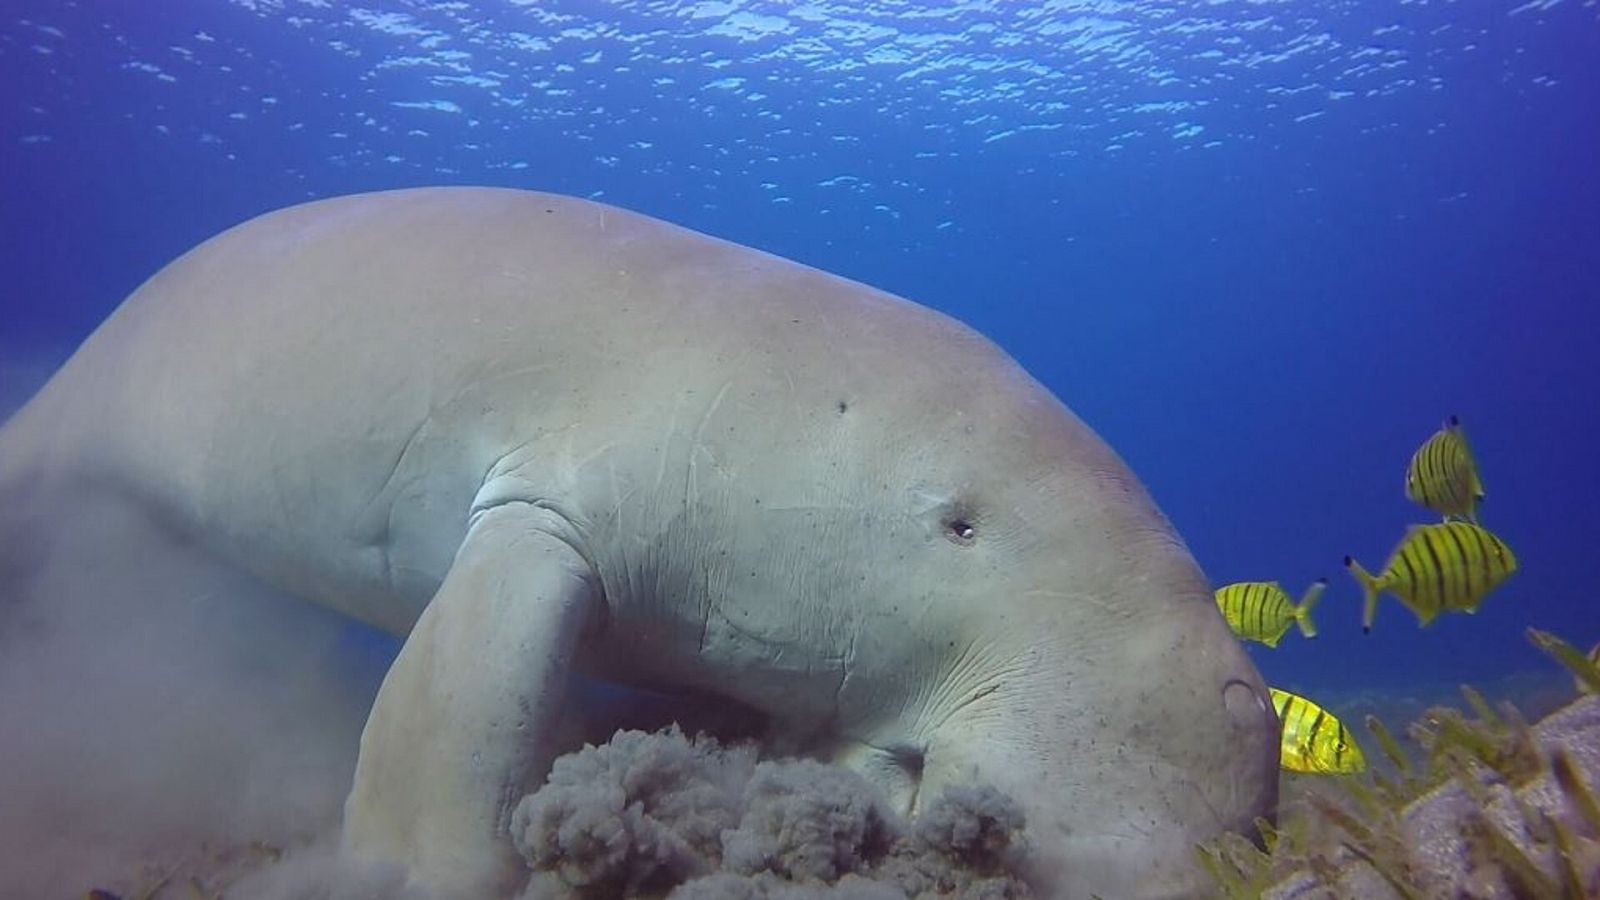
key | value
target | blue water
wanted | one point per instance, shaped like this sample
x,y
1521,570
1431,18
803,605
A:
x,y
1264,248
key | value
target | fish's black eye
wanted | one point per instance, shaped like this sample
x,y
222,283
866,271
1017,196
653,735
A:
x,y
961,531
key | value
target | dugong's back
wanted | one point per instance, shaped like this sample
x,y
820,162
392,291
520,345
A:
x,y
371,356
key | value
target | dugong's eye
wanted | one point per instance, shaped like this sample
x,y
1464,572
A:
x,y
960,531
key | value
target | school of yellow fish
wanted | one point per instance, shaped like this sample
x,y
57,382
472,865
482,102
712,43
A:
x,y
1446,566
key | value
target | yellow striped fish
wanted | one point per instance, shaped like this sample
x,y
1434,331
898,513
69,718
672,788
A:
x,y
1443,477
1313,740
1262,610
1446,567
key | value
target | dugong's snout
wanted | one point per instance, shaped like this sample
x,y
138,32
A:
x,y
1205,796
1127,758
1201,759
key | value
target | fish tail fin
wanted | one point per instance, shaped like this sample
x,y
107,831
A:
x,y
1308,601
1369,591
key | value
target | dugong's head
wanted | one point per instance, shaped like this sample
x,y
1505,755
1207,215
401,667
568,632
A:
x,y
905,541
1032,621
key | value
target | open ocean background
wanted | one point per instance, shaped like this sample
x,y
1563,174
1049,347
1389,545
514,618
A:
x,y
1264,247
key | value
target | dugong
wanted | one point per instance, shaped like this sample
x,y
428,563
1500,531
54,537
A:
x,y
536,435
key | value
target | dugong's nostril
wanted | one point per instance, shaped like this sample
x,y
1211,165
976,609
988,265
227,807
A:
x,y
1245,705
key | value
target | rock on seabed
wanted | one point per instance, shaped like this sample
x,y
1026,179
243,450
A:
x,y
1432,825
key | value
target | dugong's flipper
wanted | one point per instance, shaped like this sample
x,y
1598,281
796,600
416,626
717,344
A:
x,y
464,721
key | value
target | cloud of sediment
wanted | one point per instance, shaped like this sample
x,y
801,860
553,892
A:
x,y
661,815
154,710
